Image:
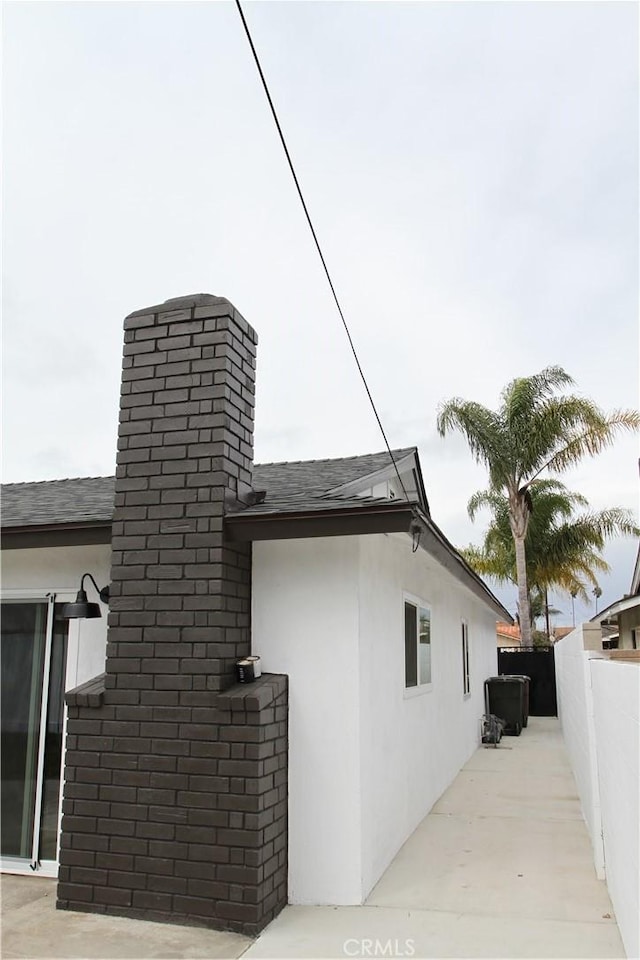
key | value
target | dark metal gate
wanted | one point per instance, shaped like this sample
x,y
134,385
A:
x,y
538,663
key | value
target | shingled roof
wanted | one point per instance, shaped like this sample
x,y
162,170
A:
x,y
309,497
82,500
301,485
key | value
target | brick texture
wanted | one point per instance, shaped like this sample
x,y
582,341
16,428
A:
x,y
175,797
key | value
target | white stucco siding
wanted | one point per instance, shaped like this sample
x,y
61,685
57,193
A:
x,y
305,624
413,743
37,572
366,761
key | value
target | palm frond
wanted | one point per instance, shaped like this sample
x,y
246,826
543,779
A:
x,y
487,564
481,428
524,393
484,498
587,438
563,548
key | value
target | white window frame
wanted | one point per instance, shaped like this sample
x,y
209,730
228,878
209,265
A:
x,y
419,688
466,660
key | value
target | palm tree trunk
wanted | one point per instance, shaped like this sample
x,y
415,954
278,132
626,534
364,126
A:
x,y
519,520
523,597
546,614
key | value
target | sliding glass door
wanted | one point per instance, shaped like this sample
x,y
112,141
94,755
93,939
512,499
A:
x,y
33,651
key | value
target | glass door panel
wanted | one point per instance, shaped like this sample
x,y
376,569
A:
x,y
32,677
22,649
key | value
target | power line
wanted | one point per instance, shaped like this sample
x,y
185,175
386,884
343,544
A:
x,y
317,243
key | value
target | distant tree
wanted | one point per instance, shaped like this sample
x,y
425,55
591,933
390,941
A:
x,y
597,592
563,549
540,610
531,431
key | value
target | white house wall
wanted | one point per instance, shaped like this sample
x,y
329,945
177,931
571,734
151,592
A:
x,y
413,744
305,624
366,763
37,572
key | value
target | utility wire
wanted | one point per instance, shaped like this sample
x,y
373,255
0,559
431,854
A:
x,y
317,243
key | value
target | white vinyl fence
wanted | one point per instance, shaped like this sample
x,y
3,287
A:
x,y
599,710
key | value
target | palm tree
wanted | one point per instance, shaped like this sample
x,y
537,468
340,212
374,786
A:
x,y
531,431
574,594
562,548
597,592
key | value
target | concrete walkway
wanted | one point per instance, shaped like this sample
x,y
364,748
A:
x,y
32,927
501,867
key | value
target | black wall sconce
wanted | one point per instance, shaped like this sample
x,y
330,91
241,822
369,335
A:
x,y
81,607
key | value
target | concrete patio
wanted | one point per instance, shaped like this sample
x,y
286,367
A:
x,y
501,867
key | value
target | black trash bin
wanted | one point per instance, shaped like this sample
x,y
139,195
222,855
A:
x,y
527,694
504,697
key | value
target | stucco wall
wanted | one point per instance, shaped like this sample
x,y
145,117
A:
x,y
575,712
305,624
59,569
616,703
367,762
599,710
628,621
413,743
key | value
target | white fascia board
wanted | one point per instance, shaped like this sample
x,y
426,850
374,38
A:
x,y
378,476
635,582
619,606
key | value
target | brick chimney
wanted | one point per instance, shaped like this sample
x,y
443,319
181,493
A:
x,y
185,446
175,780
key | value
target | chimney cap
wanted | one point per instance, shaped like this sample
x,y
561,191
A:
x,y
182,303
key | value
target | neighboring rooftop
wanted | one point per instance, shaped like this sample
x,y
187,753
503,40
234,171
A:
x,y
507,634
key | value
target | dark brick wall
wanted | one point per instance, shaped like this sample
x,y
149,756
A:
x,y
180,829
176,780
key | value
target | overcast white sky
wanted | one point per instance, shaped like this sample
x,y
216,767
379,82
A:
x,y
472,170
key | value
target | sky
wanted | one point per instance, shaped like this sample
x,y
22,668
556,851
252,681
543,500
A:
x,y
472,172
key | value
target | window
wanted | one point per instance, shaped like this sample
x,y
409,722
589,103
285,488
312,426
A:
x,y
466,681
417,644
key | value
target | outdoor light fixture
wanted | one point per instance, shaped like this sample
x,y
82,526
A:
x,y
81,607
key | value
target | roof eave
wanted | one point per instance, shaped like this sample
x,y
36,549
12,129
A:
x,y
635,580
31,536
423,489
434,541
617,607
394,518
410,459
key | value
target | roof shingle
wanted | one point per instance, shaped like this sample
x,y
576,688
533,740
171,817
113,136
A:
x,y
291,486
